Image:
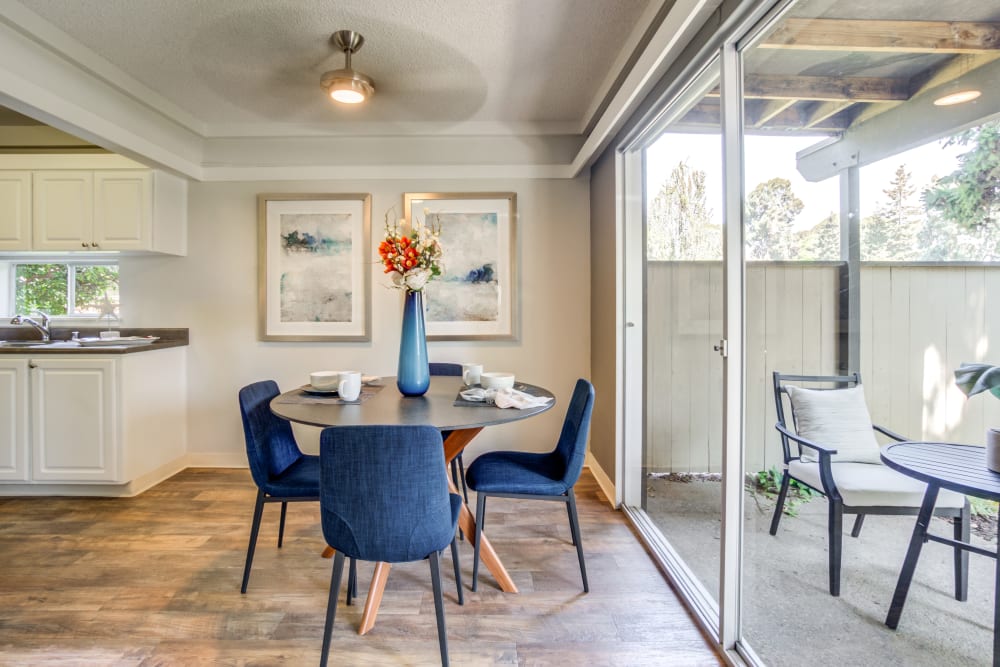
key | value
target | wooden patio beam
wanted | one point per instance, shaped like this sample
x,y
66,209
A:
x,y
886,36
770,110
825,88
824,110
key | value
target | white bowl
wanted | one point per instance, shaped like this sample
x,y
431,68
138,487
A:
x,y
324,380
494,380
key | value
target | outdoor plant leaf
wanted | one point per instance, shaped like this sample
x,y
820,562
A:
x,y
973,379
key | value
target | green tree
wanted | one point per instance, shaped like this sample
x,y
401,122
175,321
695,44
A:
x,y
771,210
679,223
970,195
822,241
890,233
45,287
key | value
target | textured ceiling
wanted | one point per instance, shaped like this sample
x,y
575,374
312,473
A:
x,y
234,63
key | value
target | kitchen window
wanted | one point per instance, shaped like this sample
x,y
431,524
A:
x,y
79,289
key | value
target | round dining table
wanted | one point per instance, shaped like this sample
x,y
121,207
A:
x,y
442,407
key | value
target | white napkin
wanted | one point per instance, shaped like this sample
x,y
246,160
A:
x,y
505,398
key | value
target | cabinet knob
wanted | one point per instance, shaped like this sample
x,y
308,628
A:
x,y
84,245
94,245
32,365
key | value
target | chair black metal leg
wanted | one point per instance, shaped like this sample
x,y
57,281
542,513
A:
x,y
912,555
439,606
281,523
352,581
331,605
835,530
859,520
458,571
962,525
779,506
480,517
574,527
461,476
258,510
569,512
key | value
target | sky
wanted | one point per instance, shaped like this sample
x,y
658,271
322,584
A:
x,y
769,156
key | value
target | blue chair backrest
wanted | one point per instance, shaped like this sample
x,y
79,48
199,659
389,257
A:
x,y
444,368
572,447
271,446
384,492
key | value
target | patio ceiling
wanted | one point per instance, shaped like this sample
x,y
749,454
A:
x,y
826,75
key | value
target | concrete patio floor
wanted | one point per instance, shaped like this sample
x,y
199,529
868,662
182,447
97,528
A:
x,y
789,618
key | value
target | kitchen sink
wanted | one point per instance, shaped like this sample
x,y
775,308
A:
x,y
37,343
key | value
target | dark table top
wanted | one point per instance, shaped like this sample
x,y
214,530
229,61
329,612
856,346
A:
x,y
952,466
435,408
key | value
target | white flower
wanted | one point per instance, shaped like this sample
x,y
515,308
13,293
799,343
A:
x,y
417,278
397,279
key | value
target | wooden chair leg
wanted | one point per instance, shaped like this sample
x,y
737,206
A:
x,y
858,521
480,518
779,506
835,530
281,523
439,607
962,525
574,527
258,510
331,606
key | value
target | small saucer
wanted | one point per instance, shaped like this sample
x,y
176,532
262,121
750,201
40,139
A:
x,y
370,379
309,389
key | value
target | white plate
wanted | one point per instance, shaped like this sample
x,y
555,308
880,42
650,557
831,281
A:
x,y
370,379
117,342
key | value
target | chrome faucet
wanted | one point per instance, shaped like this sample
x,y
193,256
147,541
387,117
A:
x,y
42,327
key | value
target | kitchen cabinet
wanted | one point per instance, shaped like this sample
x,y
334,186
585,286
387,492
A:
x,y
15,210
14,445
125,209
98,419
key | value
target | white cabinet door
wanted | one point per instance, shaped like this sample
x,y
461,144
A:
x,y
123,210
14,464
63,203
74,420
15,210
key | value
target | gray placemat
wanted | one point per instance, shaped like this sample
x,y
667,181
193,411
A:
x,y
300,396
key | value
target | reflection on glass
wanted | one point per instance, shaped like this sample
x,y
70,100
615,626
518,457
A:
x,y
682,450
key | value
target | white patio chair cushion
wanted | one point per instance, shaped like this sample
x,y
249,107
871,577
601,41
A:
x,y
867,485
835,418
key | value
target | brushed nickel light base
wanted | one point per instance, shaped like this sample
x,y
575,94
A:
x,y
346,85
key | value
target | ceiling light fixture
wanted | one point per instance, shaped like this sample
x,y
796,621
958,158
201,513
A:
x,y
956,92
345,85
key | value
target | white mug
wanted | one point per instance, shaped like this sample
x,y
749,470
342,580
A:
x,y
349,387
324,380
471,373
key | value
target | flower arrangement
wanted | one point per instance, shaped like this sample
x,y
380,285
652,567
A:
x,y
415,258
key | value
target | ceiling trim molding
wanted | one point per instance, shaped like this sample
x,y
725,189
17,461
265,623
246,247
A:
x,y
389,172
382,129
682,22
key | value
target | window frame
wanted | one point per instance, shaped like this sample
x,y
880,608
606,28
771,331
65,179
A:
x,y
71,264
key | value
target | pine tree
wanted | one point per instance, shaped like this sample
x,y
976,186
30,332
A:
x,y
970,195
822,241
890,233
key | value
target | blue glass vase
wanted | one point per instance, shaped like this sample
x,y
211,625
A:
x,y
413,376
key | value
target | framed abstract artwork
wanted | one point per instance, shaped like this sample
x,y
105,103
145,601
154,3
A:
x,y
475,298
313,267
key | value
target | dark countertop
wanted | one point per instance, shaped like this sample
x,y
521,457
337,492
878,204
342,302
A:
x,y
168,338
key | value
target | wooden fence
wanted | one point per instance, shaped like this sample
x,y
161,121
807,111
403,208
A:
x,y
917,324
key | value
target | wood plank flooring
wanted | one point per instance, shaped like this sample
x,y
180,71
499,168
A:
x,y
154,580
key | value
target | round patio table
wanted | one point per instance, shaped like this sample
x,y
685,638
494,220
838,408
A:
x,y
441,407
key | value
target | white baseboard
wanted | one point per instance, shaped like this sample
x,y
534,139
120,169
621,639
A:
x,y
98,489
603,481
217,460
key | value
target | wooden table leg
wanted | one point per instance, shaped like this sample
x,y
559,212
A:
x,y
375,591
453,446
328,551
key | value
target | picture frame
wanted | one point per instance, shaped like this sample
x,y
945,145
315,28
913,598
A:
x,y
476,296
314,269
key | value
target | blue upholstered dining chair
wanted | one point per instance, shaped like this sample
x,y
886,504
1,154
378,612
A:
x,y
457,466
384,497
529,475
280,470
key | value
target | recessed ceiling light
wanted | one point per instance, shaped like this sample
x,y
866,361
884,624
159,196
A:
x,y
346,85
958,97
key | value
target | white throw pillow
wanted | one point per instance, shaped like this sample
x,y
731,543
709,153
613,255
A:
x,y
835,418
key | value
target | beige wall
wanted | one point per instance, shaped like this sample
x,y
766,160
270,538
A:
x,y
213,292
603,363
